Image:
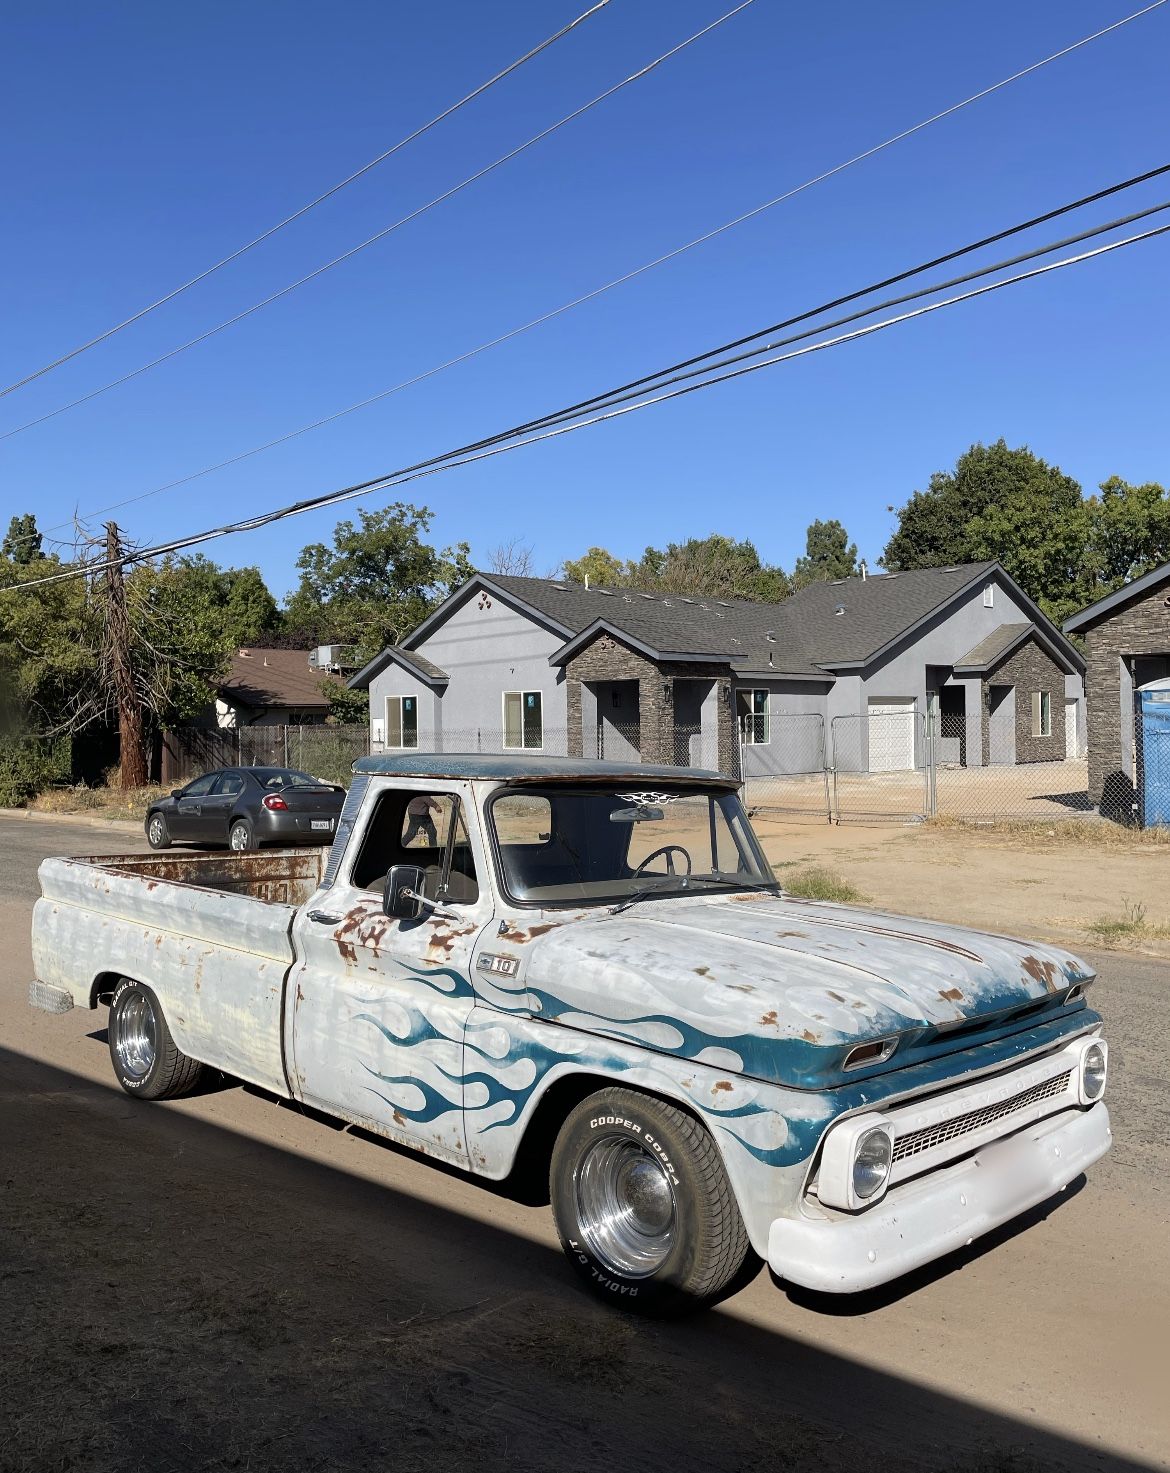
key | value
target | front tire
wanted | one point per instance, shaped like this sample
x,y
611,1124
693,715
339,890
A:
x,y
146,1061
241,837
643,1207
158,836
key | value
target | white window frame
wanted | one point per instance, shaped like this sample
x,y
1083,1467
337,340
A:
x,y
522,746
747,723
989,595
401,746
1041,713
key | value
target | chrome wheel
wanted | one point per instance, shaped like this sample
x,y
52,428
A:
x,y
239,839
158,831
136,1036
626,1206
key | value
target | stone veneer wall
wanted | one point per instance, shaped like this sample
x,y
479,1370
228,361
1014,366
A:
x,y
606,658
1029,668
1141,627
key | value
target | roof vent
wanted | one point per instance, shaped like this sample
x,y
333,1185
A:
x,y
666,603
245,654
723,604
648,596
770,636
836,582
606,592
686,600
839,610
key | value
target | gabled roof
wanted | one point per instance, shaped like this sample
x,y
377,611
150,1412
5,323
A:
x,y
1105,606
267,678
826,627
409,660
993,650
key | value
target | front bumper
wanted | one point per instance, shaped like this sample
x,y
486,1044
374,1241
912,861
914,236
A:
x,y
947,1208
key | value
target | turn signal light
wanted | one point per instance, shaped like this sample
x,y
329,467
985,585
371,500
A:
x,y
275,803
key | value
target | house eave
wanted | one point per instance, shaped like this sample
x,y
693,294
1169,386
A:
x,y
1105,606
578,642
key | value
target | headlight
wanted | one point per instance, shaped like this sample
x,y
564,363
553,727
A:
x,y
855,1164
1094,1069
871,1163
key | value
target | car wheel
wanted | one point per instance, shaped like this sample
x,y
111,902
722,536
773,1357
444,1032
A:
x,y
158,836
241,837
643,1206
146,1061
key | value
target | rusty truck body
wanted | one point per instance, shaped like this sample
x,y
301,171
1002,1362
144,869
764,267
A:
x,y
514,961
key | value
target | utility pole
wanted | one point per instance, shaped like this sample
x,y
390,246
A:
x,y
131,727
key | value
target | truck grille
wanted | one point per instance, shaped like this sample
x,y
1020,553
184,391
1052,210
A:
x,y
948,1130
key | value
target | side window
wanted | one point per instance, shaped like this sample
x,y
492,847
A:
x,y
200,787
229,786
523,720
408,827
401,721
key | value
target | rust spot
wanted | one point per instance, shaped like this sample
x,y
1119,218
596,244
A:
x,y
782,935
768,1020
152,885
300,995
809,1036
951,994
348,952
701,971
1042,972
521,935
742,986
747,899
721,1084
399,1119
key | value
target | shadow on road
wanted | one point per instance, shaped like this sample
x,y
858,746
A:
x,y
178,1296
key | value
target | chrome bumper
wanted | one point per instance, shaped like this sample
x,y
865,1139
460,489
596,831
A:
x,y
947,1208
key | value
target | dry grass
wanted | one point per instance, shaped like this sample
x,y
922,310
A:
x,y
818,883
123,803
1131,926
1078,833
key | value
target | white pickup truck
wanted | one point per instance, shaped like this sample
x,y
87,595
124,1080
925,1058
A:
x,y
594,966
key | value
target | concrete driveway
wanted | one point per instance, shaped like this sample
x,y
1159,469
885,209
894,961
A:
x,y
224,1283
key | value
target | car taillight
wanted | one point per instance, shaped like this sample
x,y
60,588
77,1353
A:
x,y
274,803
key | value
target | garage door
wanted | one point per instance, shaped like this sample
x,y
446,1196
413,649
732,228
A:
x,y
892,724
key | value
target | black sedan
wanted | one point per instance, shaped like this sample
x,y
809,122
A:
x,y
244,807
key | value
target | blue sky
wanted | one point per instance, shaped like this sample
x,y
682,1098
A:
x,y
145,141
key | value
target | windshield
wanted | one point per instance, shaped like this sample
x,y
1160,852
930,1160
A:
x,y
568,845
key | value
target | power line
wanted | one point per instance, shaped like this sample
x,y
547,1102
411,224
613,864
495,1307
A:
x,y
312,204
491,447
389,230
651,265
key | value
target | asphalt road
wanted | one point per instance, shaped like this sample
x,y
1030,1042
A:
x,y
221,1282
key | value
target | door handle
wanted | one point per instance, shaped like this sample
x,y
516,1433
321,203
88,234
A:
x,y
323,918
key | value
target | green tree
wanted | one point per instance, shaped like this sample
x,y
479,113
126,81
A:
x,y
22,542
377,580
1128,532
702,567
828,554
1006,504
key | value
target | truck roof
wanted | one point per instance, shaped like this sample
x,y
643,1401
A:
x,y
529,767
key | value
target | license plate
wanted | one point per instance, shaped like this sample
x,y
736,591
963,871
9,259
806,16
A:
x,y
321,823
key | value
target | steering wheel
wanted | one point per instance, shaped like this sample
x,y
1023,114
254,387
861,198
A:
x,y
666,851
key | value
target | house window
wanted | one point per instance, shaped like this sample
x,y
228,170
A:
x,y
401,721
989,596
523,719
1041,713
755,724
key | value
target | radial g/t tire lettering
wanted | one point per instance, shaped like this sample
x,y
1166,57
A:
x,y
644,1210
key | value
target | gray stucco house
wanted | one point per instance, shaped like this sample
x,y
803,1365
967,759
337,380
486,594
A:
x,y
1127,644
847,671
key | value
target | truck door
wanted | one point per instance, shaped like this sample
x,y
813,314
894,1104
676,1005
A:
x,y
377,1010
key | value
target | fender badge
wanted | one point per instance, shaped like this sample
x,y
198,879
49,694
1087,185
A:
x,y
502,966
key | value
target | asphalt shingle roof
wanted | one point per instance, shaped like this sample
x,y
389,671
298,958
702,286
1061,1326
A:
x,y
994,647
260,677
808,631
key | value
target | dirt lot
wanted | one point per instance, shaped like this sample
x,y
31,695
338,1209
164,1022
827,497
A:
x,y
221,1283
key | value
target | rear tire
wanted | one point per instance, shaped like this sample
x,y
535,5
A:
x,y
146,1061
643,1207
158,836
241,837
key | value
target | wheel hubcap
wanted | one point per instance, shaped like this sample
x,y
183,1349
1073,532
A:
x,y
239,838
156,830
626,1206
136,1037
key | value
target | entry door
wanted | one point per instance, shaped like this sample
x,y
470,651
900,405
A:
x,y
378,1008
892,722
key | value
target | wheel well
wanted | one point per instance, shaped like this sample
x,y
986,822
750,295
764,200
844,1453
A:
x,y
103,986
529,1174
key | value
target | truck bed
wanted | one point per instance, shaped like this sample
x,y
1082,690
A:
x,y
210,933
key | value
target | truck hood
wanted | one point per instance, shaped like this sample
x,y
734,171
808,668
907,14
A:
x,y
783,989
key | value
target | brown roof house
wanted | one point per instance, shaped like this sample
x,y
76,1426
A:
x,y
269,687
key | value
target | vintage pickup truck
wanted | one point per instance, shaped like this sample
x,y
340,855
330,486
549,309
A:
x,y
519,960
